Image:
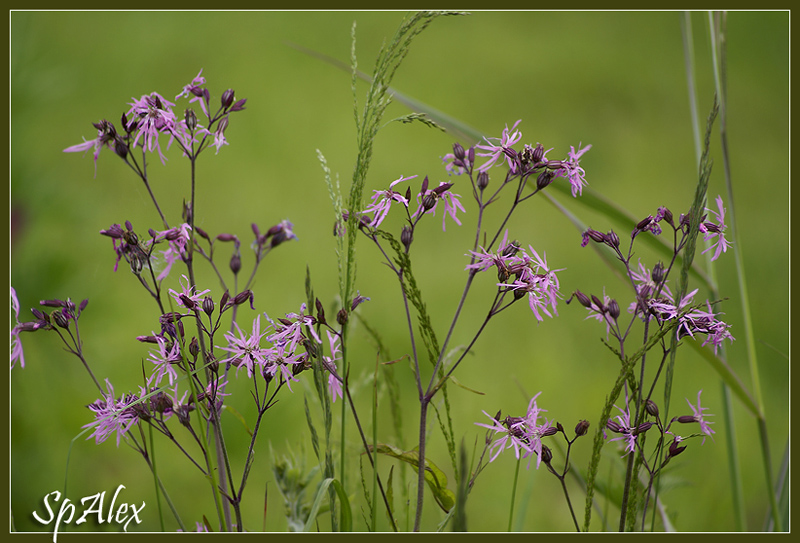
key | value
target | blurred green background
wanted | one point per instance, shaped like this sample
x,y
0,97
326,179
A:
x,y
612,79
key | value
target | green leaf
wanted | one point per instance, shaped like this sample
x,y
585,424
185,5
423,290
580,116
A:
x,y
314,437
390,495
436,479
347,515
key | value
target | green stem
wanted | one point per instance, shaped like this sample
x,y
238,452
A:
x,y
513,494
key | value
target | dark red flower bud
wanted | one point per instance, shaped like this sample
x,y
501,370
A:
x,y
429,201
483,180
236,262
658,273
596,236
550,431
194,347
643,427
424,188
544,179
243,296
227,98
187,302
208,305
202,233
613,426
582,298
581,428
320,312
120,148
613,309
441,189
406,236
191,119
114,231
674,449
60,319
458,151
341,317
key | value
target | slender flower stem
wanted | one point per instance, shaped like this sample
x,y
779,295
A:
x,y
513,494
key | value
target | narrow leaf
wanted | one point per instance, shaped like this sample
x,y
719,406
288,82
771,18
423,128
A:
x,y
434,477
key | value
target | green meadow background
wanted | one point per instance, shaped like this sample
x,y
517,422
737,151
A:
x,y
615,80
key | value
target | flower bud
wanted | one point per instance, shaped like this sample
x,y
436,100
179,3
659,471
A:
x,y
114,231
547,454
243,296
442,188
612,239
512,248
429,201
651,408
458,151
203,234
161,402
320,312
208,305
613,426
341,317
613,309
187,302
581,428
595,236
582,298
674,449
223,125
225,298
227,98
550,431
191,119
644,223
60,319
538,153
40,315
212,362
120,149
236,263
643,427
137,263
658,273
544,179
483,180
194,347
667,214
406,236
125,126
